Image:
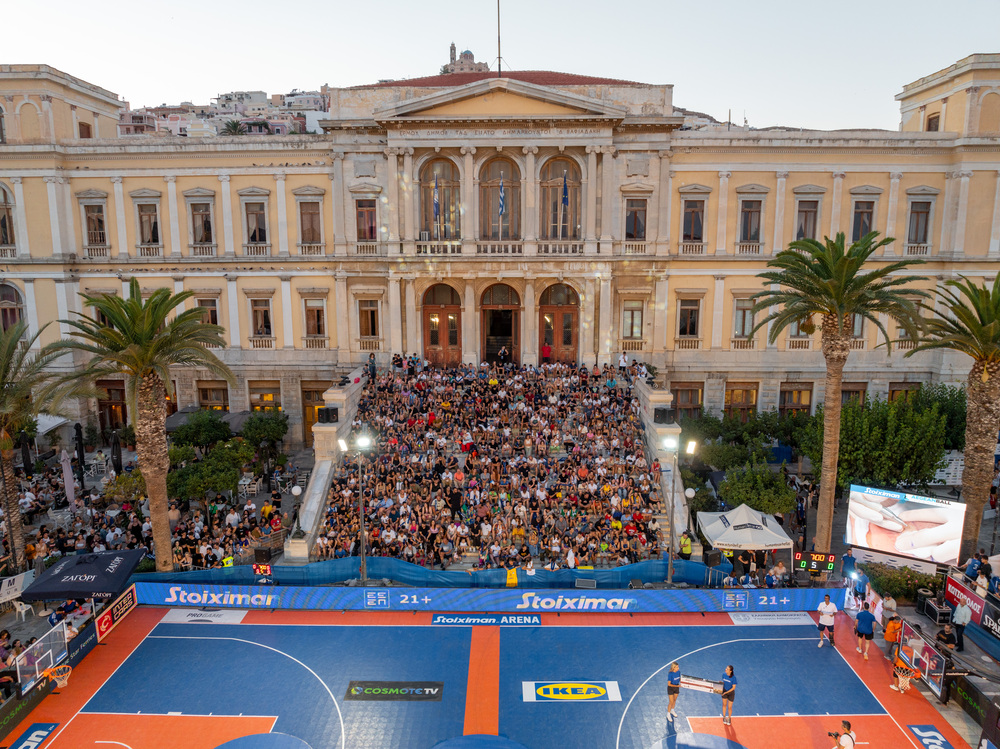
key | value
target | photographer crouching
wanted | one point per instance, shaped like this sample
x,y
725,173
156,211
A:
x,y
846,739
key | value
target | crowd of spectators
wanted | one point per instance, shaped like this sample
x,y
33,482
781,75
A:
x,y
501,465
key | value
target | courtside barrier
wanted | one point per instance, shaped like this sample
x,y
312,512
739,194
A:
x,y
518,601
341,570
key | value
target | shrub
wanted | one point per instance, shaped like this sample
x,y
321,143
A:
x,y
901,583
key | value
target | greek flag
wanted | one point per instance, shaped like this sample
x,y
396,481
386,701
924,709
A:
x,y
437,202
565,195
503,198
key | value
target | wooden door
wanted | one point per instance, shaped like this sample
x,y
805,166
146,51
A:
x,y
443,335
558,329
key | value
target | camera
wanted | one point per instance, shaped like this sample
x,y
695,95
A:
x,y
833,735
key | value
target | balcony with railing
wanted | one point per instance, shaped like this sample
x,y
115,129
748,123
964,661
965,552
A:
x,y
631,345
312,248
8,251
905,344
368,248
689,343
23,344
202,249
742,344
634,247
546,247
749,248
499,248
257,249
445,247
262,341
914,249
149,250
799,344
691,248
314,341
97,244
858,344
369,343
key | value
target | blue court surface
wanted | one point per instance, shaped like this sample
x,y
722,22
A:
x,y
301,675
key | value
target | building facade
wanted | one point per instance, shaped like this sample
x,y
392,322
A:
x,y
625,226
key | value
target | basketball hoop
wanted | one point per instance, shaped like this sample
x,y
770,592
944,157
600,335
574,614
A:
x,y
59,674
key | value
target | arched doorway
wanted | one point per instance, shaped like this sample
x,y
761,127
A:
x,y
442,309
559,324
501,311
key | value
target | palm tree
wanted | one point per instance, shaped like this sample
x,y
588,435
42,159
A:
x,y
26,388
138,339
970,324
824,279
234,127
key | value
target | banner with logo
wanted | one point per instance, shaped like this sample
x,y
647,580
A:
x,y
108,619
955,591
570,691
991,619
35,736
519,601
930,737
82,644
395,691
11,587
973,701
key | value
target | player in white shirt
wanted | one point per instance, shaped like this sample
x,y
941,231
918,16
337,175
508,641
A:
x,y
827,611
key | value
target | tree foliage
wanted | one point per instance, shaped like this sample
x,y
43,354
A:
x,y
203,429
128,486
266,425
884,444
218,471
951,403
756,485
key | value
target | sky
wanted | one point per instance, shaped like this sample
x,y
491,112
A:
x,y
824,65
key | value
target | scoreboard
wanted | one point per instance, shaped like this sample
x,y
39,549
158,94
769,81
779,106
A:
x,y
262,569
815,561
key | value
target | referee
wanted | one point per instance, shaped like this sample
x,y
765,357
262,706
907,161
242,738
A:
x,y
673,689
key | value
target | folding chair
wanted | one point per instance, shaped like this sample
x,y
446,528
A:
x,y
22,609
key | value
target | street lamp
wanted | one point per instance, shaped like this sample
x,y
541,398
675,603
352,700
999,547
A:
x,y
673,444
363,442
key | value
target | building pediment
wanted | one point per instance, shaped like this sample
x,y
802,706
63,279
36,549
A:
x,y
365,188
694,190
808,190
752,189
199,192
253,192
634,187
91,194
144,192
923,190
866,190
309,190
498,97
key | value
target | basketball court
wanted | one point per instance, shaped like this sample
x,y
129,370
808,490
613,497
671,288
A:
x,y
189,679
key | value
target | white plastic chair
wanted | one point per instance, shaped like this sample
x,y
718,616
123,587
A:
x,y
23,609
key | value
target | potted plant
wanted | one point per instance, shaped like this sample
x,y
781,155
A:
x,y
90,436
128,437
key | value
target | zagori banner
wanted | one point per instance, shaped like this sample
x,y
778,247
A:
x,y
493,600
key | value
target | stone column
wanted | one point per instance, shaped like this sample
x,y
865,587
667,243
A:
x,y
229,229
343,318
718,301
408,236
587,322
923,116
470,342
607,198
994,250
32,309
63,291
958,247
838,186
590,237
175,216
20,219
121,246
178,288
54,222
770,325
47,123
661,315
392,178
944,111
529,326
778,243
395,317
971,110
282,199
665,203
529,217
234,312
470,232
893,209
721,225
338,232
287,331
605,344
412,343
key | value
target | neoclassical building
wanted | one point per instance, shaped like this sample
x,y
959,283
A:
x,y
455,214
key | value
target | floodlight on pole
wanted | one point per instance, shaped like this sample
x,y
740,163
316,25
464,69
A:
x,y
342,444
670,443
692,446
364,442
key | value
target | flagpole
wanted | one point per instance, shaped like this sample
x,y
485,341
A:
x,y
499,58
559,229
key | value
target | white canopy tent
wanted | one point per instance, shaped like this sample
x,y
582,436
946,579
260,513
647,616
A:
x,y
743,528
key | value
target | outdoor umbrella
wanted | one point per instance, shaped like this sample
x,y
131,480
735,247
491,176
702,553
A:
x,y
103,575
29,469
116,453
743,528
81,457
67,470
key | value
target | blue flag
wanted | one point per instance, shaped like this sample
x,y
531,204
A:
x,y
503,198
565,196
437,202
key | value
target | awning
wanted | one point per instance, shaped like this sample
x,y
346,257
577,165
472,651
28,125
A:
x,y
237,420
743,528
102,575
178,419
48,422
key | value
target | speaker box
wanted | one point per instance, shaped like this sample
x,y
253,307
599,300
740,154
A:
x,y
663,415
327,415
712,558
262,556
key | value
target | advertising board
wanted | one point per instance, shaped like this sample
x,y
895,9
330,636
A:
x,y
956,591
910,525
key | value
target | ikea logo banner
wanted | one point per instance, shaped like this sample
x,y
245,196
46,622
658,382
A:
x,y
34,736
570,691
